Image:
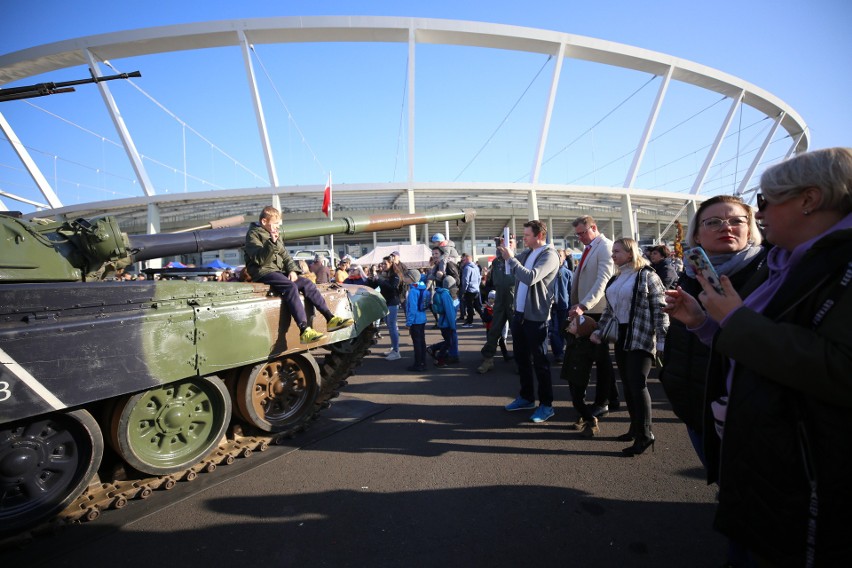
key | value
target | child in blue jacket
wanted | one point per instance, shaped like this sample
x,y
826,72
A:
x,y
446,351
417,302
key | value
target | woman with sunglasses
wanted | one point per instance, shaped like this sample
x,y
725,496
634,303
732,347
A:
x,y
785,463
725,228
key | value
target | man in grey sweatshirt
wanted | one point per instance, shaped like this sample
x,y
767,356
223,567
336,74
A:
x,y
535,271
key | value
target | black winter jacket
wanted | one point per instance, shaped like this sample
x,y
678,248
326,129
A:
x,y
685,360
785,460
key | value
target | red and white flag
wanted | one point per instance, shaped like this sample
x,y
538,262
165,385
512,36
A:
x,y
326,198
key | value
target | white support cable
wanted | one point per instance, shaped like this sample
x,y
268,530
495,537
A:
x,y
592,127
290,116
74,124
185,125
509,113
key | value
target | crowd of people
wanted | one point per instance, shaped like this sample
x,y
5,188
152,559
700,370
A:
x,y
758,369
754,351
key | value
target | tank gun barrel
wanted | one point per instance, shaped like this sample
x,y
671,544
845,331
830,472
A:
x,y
44,89
146,247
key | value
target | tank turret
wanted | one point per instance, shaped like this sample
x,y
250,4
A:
x,y
140,384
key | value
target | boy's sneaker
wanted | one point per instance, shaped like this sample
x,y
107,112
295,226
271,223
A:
x,y
467,325
393,355
431,351
338,322
440,363
310,335
542,413
519,404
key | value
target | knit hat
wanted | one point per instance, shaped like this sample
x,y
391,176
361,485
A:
x,y
449,282
413,274
492,294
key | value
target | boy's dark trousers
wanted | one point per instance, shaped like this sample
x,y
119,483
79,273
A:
x,y
418,338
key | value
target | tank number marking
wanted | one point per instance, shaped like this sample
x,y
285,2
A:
x,y
5,393
28,380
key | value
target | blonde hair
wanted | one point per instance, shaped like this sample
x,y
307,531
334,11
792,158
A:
x,y
754,235
270,212
637,261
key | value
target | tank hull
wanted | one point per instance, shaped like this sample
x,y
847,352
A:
x,y
67,345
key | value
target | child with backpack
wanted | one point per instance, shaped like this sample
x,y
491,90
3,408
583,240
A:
x,y
417,303
446,351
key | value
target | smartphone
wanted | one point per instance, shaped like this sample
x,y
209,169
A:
x,y
697,259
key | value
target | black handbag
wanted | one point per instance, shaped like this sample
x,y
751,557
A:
x,y
609,332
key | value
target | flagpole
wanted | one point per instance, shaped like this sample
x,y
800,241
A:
x,y
331,218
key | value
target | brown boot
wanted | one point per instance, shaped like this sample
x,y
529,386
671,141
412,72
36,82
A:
x,y
590,428
486,365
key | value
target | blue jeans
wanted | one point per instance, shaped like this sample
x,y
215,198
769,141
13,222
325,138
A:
x,y
557,322
393,328
529,342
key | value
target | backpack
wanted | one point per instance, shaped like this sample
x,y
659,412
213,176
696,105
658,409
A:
x,y
424,300
452,269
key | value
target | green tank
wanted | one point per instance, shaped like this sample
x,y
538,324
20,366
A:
x,y
110,390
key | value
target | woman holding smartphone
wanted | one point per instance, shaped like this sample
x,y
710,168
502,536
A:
x,y
725,228
635,298
783,355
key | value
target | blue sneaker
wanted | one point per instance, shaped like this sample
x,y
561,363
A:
x,y
519,404
542,413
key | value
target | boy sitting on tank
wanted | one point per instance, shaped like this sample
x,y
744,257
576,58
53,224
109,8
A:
x,y
268,262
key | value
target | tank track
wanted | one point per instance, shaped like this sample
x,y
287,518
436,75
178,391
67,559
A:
x,y
337,366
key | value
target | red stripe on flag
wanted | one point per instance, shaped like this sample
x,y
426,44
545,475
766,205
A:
x,y
326,200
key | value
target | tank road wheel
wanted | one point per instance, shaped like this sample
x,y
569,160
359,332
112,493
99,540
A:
x,y
276,394
45,463
169,428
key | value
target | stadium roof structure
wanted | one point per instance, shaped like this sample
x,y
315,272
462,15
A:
x,y
632,203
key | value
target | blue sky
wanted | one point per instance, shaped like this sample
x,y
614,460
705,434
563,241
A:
x,y
346,101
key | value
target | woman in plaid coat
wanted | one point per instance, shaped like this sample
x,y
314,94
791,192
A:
x,y
635,298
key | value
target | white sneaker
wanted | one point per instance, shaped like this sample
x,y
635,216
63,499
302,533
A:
x,y
388,352
393,355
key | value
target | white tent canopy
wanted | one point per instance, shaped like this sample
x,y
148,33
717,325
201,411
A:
x,y
413,256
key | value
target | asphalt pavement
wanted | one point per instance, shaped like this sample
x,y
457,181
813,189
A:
x,y
424,469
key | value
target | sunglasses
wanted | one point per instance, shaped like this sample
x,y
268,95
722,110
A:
x,y
761,202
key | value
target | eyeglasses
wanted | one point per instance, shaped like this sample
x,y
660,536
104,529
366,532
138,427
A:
x,y
716,224
581,233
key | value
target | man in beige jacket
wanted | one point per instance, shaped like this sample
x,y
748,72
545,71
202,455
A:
x,y
587,299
